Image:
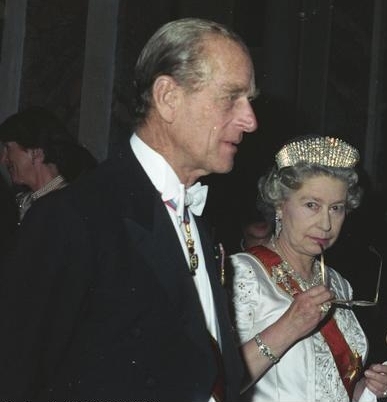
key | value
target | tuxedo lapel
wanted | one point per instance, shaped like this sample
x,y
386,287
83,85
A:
x,y
151,232
213,271
161,249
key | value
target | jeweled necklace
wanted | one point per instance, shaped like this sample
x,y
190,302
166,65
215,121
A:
x,y
302,282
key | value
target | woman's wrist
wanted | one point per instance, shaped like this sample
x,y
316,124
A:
x,y
265,350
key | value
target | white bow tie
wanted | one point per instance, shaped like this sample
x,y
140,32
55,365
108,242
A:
x,y
194,198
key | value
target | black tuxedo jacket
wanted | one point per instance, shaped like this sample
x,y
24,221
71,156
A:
x,y
97,303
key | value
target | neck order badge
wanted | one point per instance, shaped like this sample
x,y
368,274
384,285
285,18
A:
x,y
194,199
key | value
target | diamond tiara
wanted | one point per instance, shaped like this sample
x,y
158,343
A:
x,y
325,151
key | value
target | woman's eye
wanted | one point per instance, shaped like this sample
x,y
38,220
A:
x,y
338,208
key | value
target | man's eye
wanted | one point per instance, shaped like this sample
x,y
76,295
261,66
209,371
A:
x,y
232,97
252,98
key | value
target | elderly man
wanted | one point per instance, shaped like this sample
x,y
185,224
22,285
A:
x,y
121,298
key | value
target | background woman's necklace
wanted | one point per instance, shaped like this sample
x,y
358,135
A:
x,y
302,282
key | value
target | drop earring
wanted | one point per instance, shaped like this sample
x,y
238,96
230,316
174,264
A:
x,y
278,225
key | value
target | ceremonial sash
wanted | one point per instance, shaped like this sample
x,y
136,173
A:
x,y
219,388
348,363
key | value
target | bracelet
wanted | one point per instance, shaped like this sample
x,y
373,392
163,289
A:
x,y
265,350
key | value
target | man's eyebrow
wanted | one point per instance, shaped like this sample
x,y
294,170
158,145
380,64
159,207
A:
x,y
239,90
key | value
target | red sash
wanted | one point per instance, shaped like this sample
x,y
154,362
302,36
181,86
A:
x,y
218,389
349,364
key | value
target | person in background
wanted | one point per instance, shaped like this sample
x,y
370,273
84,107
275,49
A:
x,y
40,154
300,343
8,215
255,233
121,297
256,227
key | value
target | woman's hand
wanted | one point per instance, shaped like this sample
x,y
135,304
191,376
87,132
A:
x,y
376,379
307,310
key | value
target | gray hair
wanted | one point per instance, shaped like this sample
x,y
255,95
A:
x,y
278,185
176,49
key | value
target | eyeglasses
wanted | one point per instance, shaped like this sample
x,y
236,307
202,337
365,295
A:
x,y
350,302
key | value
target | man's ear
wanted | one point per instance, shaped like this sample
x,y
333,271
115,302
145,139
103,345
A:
x,y
165,97
37,155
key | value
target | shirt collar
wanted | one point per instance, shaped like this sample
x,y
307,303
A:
x,y
157,168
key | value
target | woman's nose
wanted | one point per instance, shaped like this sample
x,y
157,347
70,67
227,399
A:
x,y
325,221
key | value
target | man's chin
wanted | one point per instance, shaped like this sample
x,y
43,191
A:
x,y
228,168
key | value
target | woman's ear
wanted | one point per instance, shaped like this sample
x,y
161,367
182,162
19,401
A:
x,y
165,97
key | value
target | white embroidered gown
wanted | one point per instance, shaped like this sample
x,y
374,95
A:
x,y
306,372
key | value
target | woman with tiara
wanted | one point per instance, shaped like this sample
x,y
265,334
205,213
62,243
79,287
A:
x,y
296,338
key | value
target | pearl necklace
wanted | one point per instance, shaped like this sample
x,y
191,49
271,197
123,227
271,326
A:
x,y
302,282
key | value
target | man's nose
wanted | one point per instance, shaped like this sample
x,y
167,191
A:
x,y
248,121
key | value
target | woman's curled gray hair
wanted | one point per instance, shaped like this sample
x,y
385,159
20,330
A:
x,y
276,186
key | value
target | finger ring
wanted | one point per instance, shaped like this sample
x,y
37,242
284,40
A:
x,y
325,307
385,393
